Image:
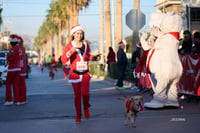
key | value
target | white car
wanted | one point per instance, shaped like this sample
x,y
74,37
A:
x,y
3,67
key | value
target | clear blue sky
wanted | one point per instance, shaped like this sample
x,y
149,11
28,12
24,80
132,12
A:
x,y
26,16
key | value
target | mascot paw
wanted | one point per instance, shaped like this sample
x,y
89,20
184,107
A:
x,y
144,36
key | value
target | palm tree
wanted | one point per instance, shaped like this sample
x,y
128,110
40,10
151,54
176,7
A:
x,y
108,25
118,23
59,15
62,13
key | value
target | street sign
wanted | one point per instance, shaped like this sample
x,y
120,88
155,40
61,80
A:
x,y
135,19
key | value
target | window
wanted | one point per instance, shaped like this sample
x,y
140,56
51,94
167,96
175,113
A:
x,y
195,14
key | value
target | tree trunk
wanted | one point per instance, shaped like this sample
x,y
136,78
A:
x,y
56,46
101,39
67,32
60,46
118,23
108,25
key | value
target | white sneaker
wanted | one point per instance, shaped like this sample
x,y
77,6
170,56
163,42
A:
x,y
154,104
172,104
8,103
24,102
17,103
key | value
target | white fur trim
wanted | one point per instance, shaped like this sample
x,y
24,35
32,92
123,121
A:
x,y
22,74
14,69
13,40
76,80
123,42
76,28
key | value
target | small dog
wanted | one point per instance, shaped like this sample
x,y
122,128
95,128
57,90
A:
x,y
131,107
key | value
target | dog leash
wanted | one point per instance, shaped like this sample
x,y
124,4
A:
x,y
120,92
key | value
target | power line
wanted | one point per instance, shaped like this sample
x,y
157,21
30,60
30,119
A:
x,y
27,3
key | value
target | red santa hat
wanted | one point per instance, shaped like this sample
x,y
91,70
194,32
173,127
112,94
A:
x,y
76,28
20,40
13,38
123,42
139,45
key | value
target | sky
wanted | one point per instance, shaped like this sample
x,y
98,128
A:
x,y
26,16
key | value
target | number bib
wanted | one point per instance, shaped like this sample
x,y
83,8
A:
x,y
81,66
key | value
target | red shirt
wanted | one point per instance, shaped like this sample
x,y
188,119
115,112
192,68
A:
x,y
14,58
53,61
111,57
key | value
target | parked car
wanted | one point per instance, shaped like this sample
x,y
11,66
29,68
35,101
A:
x,y
3,67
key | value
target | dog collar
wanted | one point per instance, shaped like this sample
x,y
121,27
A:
x,y
128,105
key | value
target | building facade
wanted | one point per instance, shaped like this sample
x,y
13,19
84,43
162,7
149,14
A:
x,y
188,9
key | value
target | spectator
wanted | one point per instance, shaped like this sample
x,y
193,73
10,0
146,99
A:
x,y
187,43
135,60
196,48
122,62
111,58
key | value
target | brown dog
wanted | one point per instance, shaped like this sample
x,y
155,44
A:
x,y
131,107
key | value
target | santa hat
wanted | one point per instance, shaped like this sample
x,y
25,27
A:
x,y
139,45
123,42
76,28
20,40
13,38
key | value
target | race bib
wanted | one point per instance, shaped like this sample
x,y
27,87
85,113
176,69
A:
x,y
81,66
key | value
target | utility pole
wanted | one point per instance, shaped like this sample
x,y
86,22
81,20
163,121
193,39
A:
x,y
113,25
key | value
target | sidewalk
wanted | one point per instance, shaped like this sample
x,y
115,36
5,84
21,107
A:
x,y
50,109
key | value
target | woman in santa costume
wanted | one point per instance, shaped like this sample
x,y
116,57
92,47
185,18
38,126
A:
x,y
78,52
13,59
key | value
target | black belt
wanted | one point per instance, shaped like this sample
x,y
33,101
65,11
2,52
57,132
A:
x,y
80,73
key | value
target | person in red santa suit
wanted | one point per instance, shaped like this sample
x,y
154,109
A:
x,y
78,52
22,82
53,67
13,59
66,69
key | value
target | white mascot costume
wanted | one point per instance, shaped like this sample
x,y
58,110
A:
x,y
163,60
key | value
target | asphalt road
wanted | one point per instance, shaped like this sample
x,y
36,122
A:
x,y
50,109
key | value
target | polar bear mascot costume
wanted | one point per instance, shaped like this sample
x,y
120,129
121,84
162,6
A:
x,y
163,60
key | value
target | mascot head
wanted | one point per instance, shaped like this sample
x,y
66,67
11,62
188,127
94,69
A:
x,y
155,23
171,23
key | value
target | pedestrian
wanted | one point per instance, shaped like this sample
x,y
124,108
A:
x,y
49,62
66,69
42,64
187,43
111,58
122,62
78,52
135,60
196,48
28,68
22,82
13,59
53,67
